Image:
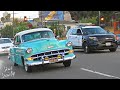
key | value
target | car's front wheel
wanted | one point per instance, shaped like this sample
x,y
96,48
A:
x,y
15,64
67,63
27,67
86,48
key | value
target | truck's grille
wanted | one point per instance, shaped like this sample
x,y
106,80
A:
x,y
103,40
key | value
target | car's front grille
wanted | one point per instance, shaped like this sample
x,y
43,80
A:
x,y
104,40
51,54
5,47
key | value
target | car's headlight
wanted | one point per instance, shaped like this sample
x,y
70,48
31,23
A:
x,y
93,38
29,50
69,44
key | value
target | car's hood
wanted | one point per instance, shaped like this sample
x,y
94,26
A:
x,y
103,36
42,45
6,45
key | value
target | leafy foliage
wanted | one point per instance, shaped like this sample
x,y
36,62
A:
x,y
78,15
9,31
89,20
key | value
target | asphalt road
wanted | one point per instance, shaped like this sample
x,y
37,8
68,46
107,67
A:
x,y
96,65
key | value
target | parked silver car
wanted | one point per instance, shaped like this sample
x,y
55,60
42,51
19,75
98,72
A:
x,y
5,45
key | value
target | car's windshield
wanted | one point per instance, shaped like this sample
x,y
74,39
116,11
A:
x,y
87,31
5,41
37,35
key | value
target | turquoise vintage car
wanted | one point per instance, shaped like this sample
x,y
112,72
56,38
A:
x,y
39,46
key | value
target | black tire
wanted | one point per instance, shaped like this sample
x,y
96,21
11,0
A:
x,y
15,64
26,67
67,63
113,49
86,48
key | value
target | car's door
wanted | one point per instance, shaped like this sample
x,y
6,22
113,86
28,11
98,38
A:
x,y
79,38
73,37
17,50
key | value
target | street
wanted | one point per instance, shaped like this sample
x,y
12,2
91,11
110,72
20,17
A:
x,y
96,65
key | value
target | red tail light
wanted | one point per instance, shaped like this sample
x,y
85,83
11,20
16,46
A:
x,y
116,37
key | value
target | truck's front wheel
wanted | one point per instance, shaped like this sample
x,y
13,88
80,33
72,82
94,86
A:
x,y
113,49
86,48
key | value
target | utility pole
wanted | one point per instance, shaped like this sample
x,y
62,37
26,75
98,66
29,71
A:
x,y
13,23
40,17
99,18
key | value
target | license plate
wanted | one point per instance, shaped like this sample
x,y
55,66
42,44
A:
x,y
52,60
5,51
108,44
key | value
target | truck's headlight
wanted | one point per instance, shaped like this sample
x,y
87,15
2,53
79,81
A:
x,y
29,50
69,44
93,38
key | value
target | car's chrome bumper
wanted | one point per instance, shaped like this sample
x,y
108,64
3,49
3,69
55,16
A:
x,y
47,62
4,51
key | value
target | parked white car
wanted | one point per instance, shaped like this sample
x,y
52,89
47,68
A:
x,y
5,45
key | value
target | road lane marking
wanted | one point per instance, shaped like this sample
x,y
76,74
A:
x,y
100,73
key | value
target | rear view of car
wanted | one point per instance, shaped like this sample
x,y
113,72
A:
x,y
5,45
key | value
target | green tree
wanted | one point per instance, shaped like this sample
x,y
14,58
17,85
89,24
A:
x,y
2,19
7,18
8,30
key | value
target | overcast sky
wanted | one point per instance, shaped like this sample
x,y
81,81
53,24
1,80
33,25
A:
x,y
21,14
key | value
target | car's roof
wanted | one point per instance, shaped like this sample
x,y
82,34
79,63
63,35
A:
x,y
87,27
33,30
4,38
91,27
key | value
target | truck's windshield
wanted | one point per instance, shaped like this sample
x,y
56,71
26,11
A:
x,y
37,35
87,31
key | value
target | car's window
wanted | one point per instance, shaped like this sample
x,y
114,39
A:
x,y
69,32
87,31
79,32
74,32
17,39
5,41
37,35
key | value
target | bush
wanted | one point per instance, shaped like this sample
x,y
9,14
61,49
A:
x,y
7,32
92,20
